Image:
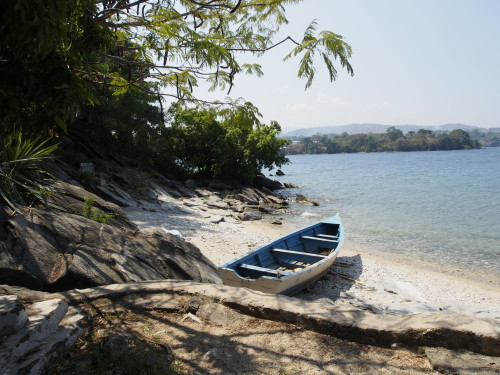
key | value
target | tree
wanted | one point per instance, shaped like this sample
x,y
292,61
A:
x,y
393,133
203,143
181,42
45,48
53,52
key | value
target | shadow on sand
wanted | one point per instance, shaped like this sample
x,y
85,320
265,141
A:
x,y
337,282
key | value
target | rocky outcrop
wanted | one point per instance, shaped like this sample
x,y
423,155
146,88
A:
x,y
452,331
35,334
51,250
71,198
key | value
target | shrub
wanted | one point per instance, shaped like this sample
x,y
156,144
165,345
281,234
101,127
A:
x,y
23,181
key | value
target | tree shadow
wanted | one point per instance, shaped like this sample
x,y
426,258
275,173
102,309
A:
x,y
241,344
336,283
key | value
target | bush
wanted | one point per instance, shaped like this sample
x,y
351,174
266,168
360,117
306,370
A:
x,y
22,179
206,146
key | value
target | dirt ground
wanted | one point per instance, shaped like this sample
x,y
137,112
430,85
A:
x,y
218,340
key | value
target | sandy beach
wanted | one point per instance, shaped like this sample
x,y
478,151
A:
x,y
383,283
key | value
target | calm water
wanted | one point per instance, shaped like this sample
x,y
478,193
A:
x,y
443,206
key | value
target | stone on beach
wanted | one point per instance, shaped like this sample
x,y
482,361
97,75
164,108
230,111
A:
x,y
64,251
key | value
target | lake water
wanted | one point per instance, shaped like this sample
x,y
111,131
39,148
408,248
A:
x,y
442,206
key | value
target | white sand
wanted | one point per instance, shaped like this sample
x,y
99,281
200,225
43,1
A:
x,y
385,284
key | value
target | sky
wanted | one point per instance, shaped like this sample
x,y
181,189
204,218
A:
x,y
419,62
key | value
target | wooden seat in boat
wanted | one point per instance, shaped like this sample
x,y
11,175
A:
x,y
257,271
298,256
318,241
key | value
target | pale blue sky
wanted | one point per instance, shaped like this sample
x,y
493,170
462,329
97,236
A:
x,y
423,62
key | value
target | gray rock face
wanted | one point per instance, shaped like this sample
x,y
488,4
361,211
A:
x,y
64,251
71,198
49,328
12,314
461,362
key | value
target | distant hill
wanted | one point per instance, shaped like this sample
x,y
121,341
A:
x,y
371,128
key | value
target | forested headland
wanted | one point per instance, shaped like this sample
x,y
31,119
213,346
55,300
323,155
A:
x,y
392,140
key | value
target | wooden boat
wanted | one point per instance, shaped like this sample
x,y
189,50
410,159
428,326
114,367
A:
x,y
290,263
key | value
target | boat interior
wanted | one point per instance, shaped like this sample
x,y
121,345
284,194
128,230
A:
x,y
291,253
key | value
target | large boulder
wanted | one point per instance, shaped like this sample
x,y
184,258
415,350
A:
x,y
262,181
52,250
71,198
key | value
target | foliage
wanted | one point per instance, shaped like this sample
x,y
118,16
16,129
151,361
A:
x,y
489,138
55,53
106,65
22,179
45,45
182,42
91,213
131,119
208,143
392,140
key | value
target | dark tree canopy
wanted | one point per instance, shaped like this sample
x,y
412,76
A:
x,y
53,53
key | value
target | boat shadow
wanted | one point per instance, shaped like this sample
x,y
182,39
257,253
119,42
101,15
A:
x,y
335,284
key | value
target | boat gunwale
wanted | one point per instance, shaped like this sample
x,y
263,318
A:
x,y
233,264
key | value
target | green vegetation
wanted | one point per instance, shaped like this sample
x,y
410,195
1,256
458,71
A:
x,y
22,179
490,138
91,213
55,54
229,143
107,67
392,140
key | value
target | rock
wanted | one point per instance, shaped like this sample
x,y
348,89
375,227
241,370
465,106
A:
x,y
190,184
150,206
216,219
175,232
277,222
461,362
193,305
216,202
162,194
122,178
262,181
182,189
50,328
64,251
12,314
252,196
452,331
75,183
185,192
202,192
119,158
279,172
71,198
218,185
301,198
411,307
116,195
276,200
249,216
222,213
116,342
264,208
230,220
173,192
